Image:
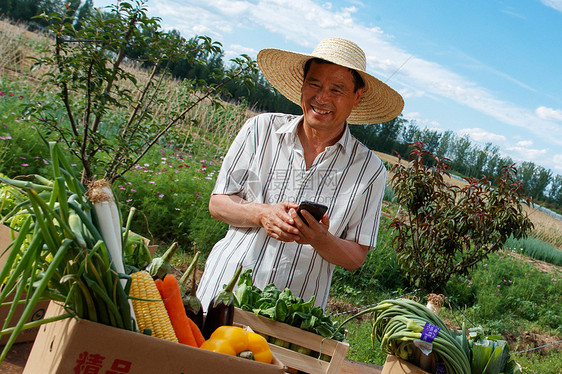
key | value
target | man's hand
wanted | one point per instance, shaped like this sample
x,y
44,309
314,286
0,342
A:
x,y
277,222
312,233
275,219
345,253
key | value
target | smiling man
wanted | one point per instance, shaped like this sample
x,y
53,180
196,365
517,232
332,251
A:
x,y
279,160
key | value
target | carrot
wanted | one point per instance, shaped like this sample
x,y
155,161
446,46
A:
x,y
170,291
199,338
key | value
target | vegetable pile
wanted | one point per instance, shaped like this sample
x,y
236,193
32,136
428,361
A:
x,y
71,247
283,306
413,332
60,254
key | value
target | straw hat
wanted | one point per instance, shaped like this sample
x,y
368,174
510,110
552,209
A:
x,y
285,71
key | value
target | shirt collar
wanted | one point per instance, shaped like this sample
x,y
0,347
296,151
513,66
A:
x,y
291,128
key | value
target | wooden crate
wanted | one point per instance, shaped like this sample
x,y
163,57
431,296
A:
x,y
395,365
332,350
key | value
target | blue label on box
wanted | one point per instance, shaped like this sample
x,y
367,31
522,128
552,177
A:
x,y
429,332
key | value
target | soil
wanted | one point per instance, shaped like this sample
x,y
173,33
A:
x,y
16,359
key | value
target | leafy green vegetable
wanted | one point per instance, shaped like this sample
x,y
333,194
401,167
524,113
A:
x,y
490,354
282,306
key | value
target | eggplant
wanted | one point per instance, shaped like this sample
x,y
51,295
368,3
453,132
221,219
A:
x,y
160,266
193,308
221,308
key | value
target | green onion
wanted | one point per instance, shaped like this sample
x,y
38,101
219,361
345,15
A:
x,y
59,254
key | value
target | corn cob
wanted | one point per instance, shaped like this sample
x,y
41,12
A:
x,y
150,314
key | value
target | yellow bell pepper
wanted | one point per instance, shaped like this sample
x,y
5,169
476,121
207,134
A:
x,y
234,340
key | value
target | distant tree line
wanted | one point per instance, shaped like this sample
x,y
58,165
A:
x,y
257,94
467,159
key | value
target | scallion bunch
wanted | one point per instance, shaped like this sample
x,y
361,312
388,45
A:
x,y
60,254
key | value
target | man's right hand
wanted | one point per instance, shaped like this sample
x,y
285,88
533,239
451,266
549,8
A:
x,y
275,219
277,222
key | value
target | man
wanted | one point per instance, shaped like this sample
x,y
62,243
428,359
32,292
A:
x,y
279,160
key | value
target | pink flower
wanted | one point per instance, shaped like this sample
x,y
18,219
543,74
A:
x,y
198,196
24,165
161,195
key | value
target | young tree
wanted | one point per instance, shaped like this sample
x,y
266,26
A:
x,y
109,120
445,230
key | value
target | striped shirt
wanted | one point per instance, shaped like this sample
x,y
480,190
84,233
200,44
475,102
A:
x,y
266,164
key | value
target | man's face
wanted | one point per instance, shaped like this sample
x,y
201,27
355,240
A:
x,y
327,96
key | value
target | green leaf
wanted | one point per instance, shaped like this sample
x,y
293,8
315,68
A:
x,y
494,364
480,356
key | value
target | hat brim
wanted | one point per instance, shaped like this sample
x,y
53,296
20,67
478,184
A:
x,y
285,71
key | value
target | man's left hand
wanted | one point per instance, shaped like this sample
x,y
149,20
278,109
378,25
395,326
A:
x,y
345,253
314,232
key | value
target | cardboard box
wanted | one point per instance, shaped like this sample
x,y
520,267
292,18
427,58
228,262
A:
x,y
333,350
80,346
396,365
37,314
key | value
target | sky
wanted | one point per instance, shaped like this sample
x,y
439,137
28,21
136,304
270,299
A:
x,y
488,69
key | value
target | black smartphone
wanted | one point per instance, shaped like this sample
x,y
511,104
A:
x,y
315,209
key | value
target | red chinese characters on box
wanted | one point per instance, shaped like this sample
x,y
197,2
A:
x,y
92,363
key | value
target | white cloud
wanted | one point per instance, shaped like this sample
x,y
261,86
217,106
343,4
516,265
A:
x,y
524,143
522,151
423,122
481,135
555,4
557,161
234,50
549,113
